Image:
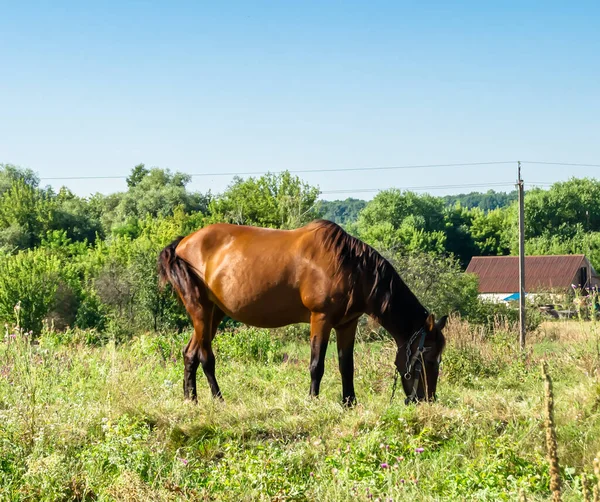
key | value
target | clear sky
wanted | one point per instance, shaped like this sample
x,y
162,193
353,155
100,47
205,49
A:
x,y
95,88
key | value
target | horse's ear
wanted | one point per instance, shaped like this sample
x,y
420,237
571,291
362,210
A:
x,y
441,324
430,322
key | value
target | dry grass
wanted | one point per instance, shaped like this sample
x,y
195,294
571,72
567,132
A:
x,y
551,442
110,423
566,331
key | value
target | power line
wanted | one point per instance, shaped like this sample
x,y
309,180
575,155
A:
x,y
423,187
329,170
367,190
332,170
436,187
426,187
559,163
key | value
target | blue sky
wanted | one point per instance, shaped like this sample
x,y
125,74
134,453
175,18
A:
x,y
93,89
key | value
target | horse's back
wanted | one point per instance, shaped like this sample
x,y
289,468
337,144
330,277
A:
x,y
264,277
224,240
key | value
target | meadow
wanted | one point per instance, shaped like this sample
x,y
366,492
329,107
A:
x,y
82,421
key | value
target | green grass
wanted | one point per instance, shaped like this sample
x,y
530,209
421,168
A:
x,y
109,423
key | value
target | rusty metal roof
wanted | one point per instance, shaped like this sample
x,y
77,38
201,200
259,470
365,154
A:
x,y
500,274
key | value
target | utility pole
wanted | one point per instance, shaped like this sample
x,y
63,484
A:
x,y
521,259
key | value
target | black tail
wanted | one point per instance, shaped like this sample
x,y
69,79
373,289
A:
x,y
175,271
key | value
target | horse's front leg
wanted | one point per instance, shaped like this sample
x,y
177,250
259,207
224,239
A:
x,y
320,329
345,336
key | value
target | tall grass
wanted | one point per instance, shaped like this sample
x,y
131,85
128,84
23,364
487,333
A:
x,y
551,442
79,422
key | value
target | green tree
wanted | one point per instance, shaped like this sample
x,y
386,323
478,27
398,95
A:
x,y
273,200
408,238
138,173
72,215
394,206
155,193
487,201
26,213
563,207
459,241
581,242
341,212
28,285
489,231
403,222
10,173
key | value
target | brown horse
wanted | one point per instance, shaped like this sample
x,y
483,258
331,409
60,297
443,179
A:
x,y
317,274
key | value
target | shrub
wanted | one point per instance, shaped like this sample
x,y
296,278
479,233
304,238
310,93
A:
x,y
63,311
466,365
28,280
155,308
491,315
91,313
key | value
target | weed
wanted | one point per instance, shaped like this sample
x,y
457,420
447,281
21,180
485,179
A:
x,y
107,421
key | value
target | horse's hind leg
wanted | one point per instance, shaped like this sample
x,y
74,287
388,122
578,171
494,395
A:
x,y
320,329
345,336
206,319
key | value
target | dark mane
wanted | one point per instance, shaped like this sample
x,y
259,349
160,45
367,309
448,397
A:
x,y
388,291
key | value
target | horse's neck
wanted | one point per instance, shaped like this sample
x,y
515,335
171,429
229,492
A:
x,y
405,313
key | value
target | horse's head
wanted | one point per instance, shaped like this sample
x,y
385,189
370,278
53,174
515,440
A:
x,y
418,361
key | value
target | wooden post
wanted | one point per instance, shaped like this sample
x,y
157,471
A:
x,y
521,260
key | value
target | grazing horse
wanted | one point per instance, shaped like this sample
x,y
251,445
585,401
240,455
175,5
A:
x,y
317,274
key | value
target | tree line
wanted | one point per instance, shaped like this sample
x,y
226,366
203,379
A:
x,y
89,262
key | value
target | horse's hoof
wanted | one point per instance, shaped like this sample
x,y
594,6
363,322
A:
x,y
349,402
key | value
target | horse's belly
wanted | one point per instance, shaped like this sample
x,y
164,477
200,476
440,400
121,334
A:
x,y
271,320
266,309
